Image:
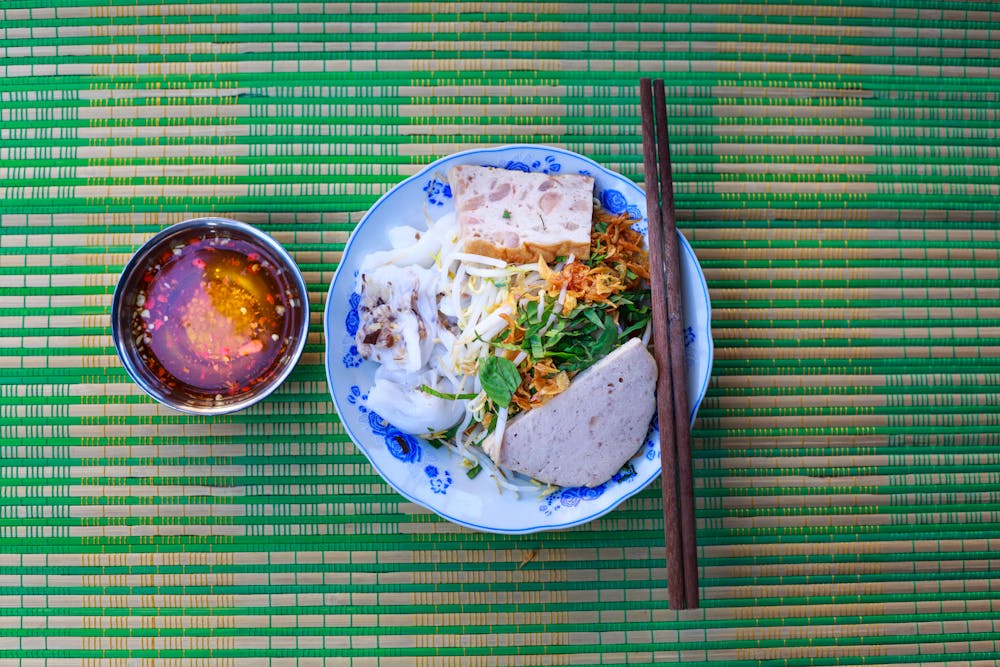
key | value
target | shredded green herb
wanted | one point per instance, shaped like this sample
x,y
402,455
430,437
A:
x,y
588,333
450,397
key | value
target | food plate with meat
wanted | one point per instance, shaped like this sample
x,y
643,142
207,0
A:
x,y
488,361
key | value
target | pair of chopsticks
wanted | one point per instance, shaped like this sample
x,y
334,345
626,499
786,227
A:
x,y
668,349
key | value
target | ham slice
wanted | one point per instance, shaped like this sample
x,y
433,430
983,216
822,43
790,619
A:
x,y
519,217
585,435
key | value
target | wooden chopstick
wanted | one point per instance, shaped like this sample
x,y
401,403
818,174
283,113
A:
x,y
668,345
661,352
678,368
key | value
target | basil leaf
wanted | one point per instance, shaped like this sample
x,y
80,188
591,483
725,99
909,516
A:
x,y
499,378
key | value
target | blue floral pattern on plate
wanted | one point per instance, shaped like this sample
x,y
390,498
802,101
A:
x,y
438,192
549,164
352,358
613,201
353,319
422,473
570,497
439,480
402,446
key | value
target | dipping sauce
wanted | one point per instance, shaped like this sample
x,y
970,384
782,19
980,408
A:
x,y
212,317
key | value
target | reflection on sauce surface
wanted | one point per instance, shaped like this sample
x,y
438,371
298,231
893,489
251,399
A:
x,y
213,317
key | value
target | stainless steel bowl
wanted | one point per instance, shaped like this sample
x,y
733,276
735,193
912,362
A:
x,y
167,366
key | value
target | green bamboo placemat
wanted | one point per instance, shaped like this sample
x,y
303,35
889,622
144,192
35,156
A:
x,y
837,168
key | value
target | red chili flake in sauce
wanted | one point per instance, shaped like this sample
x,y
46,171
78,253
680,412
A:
x,y
211,323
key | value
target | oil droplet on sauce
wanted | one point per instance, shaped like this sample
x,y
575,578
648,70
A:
x,y
213,318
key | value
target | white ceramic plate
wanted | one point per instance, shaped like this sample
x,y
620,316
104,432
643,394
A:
x,y
433,477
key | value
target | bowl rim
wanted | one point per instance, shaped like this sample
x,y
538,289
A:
x,y
157,241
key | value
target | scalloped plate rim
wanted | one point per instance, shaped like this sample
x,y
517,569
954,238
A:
x,y
528,527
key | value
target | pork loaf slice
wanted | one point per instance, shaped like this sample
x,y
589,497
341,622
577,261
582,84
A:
x,y
518,217
584,435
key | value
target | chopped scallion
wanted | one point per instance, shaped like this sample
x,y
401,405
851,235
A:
x,y
450,397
